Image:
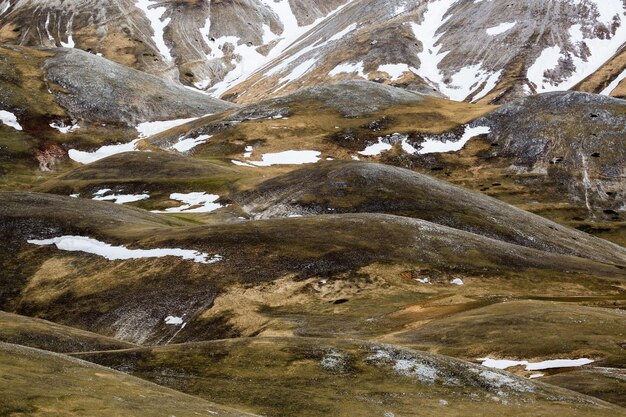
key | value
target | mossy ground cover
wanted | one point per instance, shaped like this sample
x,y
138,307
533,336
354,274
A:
x,y
303,376
40,383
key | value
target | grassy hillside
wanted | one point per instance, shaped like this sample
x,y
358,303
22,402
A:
x,y
39,383
306,377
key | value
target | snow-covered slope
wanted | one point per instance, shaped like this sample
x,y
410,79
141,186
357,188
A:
x,y
465,49
249,49
201,42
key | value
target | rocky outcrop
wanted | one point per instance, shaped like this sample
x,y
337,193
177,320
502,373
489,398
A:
x,y
96,89
351,98
576,140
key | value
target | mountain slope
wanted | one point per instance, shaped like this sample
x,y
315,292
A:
x,y
41,334
337,187
313,207
199,42
309,377
39,383
511,53
259,48
533,152
91,89
560,155
64,99
131,297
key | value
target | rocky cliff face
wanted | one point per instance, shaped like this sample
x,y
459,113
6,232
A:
x,y
474,50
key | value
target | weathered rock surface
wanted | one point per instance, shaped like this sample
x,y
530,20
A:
x,y
576,140
98,89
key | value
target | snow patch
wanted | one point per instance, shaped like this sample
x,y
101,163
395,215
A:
x,y
145,130
535,366
185,144
173,320
558,363
489,84
119,198
350,68
387,142
103,152
115,253
194,203
9,119
148,129
242,164
288,158
396,71
63,128
501,28
4,6
376,149
70,40
431,145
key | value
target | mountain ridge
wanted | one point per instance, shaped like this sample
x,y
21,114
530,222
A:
x,y
575,45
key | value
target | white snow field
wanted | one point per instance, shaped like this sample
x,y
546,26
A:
x,y
437,146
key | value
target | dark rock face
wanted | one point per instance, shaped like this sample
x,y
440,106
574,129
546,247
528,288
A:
x,y
577,140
